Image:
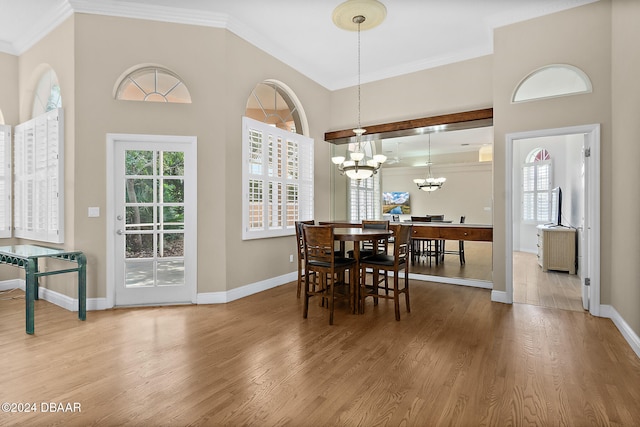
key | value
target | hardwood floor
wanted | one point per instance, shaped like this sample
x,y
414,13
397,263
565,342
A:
x,y
456,359
478,265
552,289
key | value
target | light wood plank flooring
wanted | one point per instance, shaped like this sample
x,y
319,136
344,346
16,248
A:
x,y
554,289
530,284
457,359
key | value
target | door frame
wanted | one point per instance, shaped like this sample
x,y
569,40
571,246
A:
x,y
111,140
592,211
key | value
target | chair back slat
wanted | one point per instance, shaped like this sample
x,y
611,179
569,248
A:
x,y
402,242
318,243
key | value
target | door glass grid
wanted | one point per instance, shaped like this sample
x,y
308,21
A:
x,y
154,218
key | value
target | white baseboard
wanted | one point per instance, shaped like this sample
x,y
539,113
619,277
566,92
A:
x,y
629,335
500,296
61,300
245,291
451,280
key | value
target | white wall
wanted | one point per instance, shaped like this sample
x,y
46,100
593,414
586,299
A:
x,y
566,154
467,191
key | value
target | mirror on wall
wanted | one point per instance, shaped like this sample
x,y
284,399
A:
x,y
465,158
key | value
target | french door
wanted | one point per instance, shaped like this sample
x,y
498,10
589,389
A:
x,y
154,220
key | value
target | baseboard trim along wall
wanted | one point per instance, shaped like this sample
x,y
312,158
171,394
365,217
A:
x,y
94,304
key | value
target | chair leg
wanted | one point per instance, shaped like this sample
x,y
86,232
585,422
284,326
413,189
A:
x,y
300,277
396,297
461,249
406,289
306,297
332,295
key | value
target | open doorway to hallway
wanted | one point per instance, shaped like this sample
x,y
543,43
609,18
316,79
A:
x,y
553,226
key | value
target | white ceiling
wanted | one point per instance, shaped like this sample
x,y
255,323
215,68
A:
x,y
416,34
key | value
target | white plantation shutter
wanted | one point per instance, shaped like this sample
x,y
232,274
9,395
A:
x,y
39,178
365,199
536,191
277,180
5,181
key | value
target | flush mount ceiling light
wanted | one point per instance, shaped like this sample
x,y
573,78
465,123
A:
x,y
358,15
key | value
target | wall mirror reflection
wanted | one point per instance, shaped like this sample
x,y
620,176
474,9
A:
x,y
464,158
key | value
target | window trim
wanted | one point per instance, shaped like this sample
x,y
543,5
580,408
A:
x,y
6,177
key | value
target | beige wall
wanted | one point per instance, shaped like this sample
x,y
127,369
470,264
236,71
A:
x,y
9,88
625,151
580,37
56,51
90,52
220,71
462,86
255,260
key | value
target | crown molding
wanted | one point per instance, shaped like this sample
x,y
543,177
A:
x,y
176,15
45,25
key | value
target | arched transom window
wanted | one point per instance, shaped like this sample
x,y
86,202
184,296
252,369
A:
x,y
153,84
46,96
271,103
552,81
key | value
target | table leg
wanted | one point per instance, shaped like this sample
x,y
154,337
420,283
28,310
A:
x,y
36,295
30,293
356,288
82,286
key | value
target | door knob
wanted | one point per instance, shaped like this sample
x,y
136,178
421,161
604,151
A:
x,y
120,232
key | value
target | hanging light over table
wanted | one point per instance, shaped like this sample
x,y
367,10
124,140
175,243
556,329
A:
x,y
364,14
429,183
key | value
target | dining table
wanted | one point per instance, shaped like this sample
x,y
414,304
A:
x,y
357,235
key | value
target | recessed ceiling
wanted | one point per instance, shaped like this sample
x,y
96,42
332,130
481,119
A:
x,y
415,35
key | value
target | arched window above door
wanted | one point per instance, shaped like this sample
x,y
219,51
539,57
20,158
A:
x,y
152,84
552,81
46,96
274,103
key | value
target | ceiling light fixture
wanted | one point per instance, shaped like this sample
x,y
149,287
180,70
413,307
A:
x,y
359,15
429,183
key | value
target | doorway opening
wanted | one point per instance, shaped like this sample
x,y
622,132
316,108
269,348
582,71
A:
x,y
577,221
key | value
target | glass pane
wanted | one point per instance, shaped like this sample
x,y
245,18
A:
x,y
170,273
173,191
172,245
141,216
179,94
139,190
139,274
165,82
139,245
130,92
139,162
173,163
173,217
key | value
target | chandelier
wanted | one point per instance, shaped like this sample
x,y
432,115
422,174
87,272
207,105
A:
x,y
429,183
351,12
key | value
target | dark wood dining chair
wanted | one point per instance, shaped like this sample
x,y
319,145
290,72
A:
x,y
300,244
367,247
427,248
331,270
460,251
395,262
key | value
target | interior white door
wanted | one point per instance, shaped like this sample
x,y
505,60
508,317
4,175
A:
x,y
584,229
155,228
